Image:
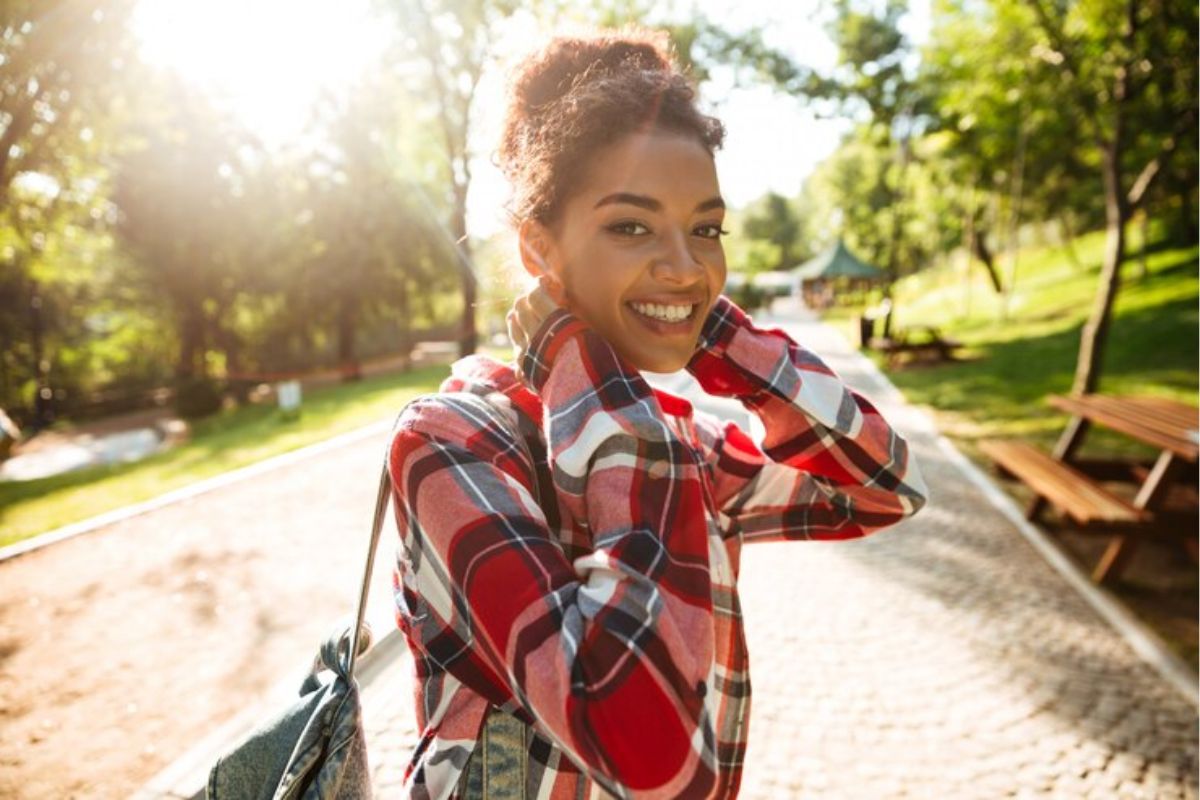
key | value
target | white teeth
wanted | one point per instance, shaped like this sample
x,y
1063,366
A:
x,y
662,312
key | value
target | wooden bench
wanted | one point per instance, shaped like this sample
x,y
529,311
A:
x,y
1090,506
1066,488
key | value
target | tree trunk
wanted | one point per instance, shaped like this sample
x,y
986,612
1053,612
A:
x,y
405,344
191,343
1143,255
231,346
980,249
1095,331
467,339
1187,216
347,320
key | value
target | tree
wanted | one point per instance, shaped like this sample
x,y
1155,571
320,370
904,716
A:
x,y
448,42
60,60
773,219
995,121
180,204
871,83
371,245
1128,75
57,97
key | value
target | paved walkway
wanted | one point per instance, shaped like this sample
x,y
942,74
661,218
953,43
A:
x,y
942,658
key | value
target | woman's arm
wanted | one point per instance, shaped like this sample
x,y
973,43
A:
x,y
610,654
830,466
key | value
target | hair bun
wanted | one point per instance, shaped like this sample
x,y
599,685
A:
x,y
570,61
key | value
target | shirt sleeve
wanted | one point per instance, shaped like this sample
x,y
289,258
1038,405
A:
x,y
830,466
610,655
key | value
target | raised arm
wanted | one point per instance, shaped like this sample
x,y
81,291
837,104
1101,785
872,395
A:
x,y
830,465
610,655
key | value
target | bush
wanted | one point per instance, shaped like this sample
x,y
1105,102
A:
x,y
748,297
197,397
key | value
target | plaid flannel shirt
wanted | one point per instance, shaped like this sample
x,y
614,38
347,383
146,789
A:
x,y
584,579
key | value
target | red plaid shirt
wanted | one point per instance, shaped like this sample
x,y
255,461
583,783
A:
x,y
585,579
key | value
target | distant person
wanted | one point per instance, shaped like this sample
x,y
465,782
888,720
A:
x,y
571,536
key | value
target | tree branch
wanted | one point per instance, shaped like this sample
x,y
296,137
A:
x,y
1145,179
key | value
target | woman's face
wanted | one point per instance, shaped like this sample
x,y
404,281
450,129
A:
x,y
637,247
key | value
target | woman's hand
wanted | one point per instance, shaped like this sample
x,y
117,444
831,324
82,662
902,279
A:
x,y
528,312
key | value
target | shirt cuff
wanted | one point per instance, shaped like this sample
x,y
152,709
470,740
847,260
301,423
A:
x,y
716,374
722,322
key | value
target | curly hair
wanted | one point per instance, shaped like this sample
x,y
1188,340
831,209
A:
x,y
578,94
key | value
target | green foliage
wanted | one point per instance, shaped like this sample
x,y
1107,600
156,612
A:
x,y
747,295
773,224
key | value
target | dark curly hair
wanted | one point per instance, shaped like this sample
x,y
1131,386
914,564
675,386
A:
x,y
578,94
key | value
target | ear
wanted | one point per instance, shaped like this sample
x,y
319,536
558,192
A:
x,y
538,254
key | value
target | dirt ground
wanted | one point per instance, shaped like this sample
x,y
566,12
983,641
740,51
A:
x,y
1160,586
119,649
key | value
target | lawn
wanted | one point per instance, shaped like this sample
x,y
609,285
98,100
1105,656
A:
x,y
235,438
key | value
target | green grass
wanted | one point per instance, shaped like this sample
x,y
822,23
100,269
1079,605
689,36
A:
x,y
217,444
1012,361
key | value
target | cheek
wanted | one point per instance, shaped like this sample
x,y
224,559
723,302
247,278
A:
x,y
599,283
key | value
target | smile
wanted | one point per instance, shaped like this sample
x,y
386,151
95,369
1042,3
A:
x,y
673,313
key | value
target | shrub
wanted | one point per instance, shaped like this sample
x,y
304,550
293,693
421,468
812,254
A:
x,y
197,397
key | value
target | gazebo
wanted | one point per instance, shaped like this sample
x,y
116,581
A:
x,y
835,265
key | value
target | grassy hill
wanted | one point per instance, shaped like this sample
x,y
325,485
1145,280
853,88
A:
x,y
1014,359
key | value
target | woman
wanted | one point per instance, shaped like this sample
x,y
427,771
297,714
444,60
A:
x,y
571,536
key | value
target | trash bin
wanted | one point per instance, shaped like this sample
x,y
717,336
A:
x,y
866,330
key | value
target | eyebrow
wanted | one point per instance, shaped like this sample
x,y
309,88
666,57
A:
x,y
650,204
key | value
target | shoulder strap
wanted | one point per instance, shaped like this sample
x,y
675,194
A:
x,y
381,505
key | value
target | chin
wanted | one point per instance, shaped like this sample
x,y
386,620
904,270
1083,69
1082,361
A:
x,y
661,363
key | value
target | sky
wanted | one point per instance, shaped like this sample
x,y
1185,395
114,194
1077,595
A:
x,y
266,70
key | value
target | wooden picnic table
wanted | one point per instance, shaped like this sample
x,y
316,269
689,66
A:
x,y
1167,425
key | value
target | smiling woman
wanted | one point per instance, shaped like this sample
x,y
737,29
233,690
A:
x,y
267,61
569,536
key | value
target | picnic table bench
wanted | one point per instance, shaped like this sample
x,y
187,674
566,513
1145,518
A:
x,y
921,342
1164,505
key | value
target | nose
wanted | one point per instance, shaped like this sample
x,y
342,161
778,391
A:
x,y
675,263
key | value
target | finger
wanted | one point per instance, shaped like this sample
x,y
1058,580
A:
x,y
526,315
515,332
553,288
542,302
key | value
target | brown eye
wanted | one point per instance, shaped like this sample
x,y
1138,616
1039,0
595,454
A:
x,y
711,231
629,228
